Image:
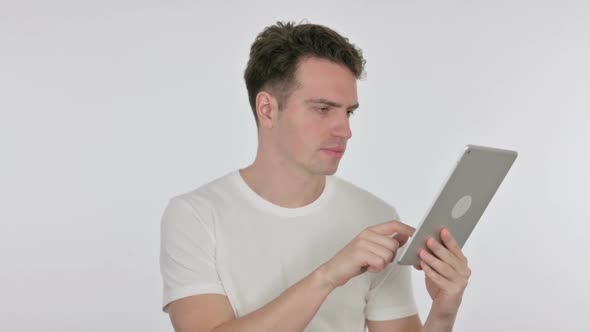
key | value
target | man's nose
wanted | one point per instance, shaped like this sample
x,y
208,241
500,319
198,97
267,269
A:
x,y
342,127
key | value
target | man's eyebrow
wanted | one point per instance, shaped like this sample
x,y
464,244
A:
x,y
330,103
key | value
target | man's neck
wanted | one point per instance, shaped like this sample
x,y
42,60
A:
x,y
283,187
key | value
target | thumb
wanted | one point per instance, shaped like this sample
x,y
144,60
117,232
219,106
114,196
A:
x,y
401,238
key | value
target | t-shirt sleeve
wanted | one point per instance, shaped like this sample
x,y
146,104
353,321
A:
x,y
187,253
391,295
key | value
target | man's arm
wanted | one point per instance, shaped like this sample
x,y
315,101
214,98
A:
x,y
413,324
372,250
406,324
291,311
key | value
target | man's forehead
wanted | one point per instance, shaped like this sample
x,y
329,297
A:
x,y
323,81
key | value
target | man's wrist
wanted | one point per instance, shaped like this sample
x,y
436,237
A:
x,y
439,321
320,275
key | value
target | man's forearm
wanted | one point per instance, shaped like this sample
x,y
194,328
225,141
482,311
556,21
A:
x,y
435,323
291,311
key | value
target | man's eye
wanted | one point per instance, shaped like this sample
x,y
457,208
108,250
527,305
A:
x,y
323,109
350,113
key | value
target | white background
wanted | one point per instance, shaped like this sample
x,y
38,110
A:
x,y
109,108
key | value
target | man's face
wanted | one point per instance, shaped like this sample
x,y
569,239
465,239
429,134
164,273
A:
x,y
313,127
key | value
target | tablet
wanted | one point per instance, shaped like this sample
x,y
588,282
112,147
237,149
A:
x,y
463,198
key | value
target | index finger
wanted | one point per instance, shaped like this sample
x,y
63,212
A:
x,y
392,226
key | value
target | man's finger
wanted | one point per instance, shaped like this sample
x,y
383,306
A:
x,y
451,244
392,226
401,239
391,243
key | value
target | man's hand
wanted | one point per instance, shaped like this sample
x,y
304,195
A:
x,y
372,250
447,274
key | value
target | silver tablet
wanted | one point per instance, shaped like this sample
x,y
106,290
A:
x,y
464,197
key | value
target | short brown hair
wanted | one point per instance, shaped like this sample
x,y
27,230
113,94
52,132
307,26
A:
x,y
277,50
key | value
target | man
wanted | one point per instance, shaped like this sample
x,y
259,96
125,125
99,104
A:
x,y
283,244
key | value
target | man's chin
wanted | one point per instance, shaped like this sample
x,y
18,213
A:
x,y
324,168
332,172
329,170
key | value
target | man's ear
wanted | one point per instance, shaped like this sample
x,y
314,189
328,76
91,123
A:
x,y
266,107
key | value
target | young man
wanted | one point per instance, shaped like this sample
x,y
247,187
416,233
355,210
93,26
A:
x,y
283,244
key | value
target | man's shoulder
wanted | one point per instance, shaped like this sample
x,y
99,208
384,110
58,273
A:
x,y
207,193
360,197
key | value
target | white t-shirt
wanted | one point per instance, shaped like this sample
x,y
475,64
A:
x,y
224,238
